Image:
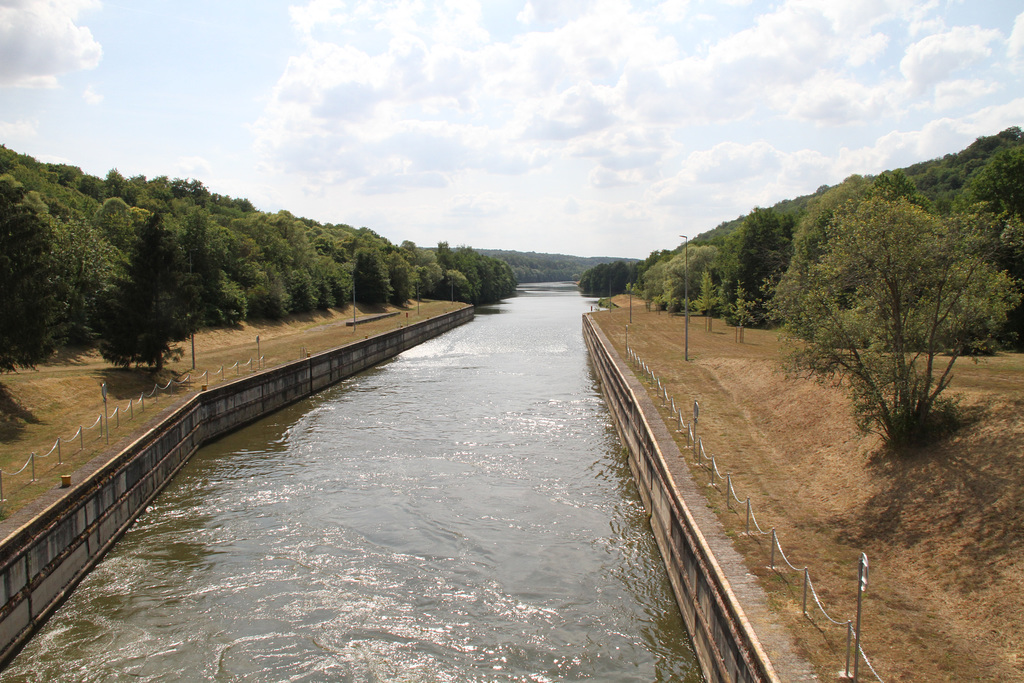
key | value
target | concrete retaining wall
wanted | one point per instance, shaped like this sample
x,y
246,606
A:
x,y
724,641
45,557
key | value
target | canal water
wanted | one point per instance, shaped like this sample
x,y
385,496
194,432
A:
x,y
463,512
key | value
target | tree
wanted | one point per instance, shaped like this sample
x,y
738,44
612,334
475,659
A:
x,y
1000,184
708,299
757,255
27,303
1000,187
148,310
372,283
894,289
740,312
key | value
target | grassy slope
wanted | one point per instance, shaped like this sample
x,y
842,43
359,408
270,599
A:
x,y
942,527
54,400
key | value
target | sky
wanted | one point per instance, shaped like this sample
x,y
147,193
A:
x,y
584,127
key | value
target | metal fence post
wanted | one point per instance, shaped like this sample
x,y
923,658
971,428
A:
x,y
807,580
862,583
849,637
773,548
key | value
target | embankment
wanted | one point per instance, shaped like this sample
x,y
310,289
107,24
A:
x,y
712,586
44,555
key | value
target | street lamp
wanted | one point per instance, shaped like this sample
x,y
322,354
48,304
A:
x,y
686,297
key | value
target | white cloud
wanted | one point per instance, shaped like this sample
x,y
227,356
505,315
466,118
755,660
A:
x,y
19,130
553,11
729,162
832,99
481,205
1015,45
953,94
194,167
577,111
91,96
593,98
39,40
935,58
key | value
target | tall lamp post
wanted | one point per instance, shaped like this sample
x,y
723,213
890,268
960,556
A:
x,y
686,297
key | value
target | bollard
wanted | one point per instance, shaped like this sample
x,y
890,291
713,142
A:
x,y
65,481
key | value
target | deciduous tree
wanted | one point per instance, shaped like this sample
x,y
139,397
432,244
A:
x,y
149,308
896,297
27,303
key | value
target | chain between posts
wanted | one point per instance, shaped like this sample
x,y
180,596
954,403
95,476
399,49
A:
x,y
703,459
115,414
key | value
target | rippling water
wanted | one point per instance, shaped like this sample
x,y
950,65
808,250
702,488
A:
x,y
461,513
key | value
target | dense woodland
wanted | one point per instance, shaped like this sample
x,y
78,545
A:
x,y
134,264
535,267
887,280
747,257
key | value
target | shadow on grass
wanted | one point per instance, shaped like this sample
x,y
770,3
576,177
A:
x,y
13,416
957,496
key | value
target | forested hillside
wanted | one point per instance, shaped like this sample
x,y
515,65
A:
x,y
753,251
534,267
886,279
134,263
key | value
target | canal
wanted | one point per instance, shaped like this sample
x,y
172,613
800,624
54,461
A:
x,y
463,512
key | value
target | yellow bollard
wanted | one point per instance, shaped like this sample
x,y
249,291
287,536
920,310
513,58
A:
x,y
65,481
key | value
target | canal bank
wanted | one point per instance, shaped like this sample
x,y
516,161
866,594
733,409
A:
x,y
713,589
44,555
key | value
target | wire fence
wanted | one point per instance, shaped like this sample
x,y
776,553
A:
x,y
80,440
778,560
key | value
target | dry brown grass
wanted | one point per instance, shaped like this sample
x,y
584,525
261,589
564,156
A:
x,y
943,527
55,399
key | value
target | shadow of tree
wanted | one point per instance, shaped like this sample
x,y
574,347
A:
x,y
13,416
958,498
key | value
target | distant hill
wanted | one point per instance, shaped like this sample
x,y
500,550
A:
x,y
939,180
533,267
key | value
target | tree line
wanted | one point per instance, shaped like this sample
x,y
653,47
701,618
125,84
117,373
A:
x,y
885,280
134,264
535,267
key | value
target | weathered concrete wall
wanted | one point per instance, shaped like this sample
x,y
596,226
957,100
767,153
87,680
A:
x,y
726,645
44,557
